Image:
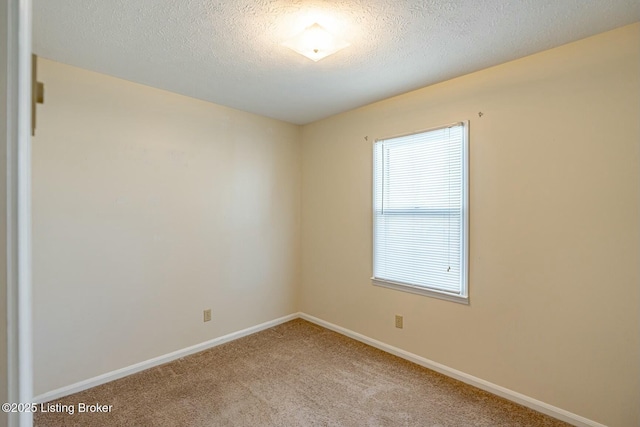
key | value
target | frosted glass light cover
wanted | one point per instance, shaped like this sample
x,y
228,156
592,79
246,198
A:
x,y
315,43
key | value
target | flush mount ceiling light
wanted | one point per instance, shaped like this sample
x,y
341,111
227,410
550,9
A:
x,y
315,43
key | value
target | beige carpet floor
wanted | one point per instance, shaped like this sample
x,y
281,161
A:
x,y
295,374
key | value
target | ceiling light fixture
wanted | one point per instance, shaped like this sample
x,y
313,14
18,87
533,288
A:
x,y
315,43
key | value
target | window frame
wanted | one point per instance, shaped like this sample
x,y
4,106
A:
x,y
463,296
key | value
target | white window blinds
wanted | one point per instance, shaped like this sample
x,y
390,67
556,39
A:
x,y
420,212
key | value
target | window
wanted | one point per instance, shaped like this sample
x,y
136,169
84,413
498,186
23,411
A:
x,y
421,212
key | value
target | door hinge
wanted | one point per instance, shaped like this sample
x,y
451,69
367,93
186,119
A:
x,y
37,92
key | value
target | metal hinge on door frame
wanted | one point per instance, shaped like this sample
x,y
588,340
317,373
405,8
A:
x,y
37,92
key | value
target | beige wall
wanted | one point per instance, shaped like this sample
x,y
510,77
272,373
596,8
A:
x,y
149,207
554,237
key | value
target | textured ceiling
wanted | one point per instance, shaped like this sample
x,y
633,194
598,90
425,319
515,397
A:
x,y
229,52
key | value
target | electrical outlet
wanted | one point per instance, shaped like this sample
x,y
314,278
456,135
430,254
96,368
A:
x,y
207,315
399,320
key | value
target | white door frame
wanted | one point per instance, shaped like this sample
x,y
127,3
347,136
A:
x,y
18,207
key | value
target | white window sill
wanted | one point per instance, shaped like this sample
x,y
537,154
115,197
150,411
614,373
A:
x,y
460,299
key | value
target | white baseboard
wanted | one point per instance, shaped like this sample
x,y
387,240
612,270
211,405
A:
x,y
511,395
156,361
514,396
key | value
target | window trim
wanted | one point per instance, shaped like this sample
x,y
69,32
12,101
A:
x,y
463,296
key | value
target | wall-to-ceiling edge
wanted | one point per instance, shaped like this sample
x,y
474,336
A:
x,y
150,208
554,237
538,150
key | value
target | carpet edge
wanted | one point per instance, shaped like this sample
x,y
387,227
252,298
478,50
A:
x,y
157,361
514,396
506,393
